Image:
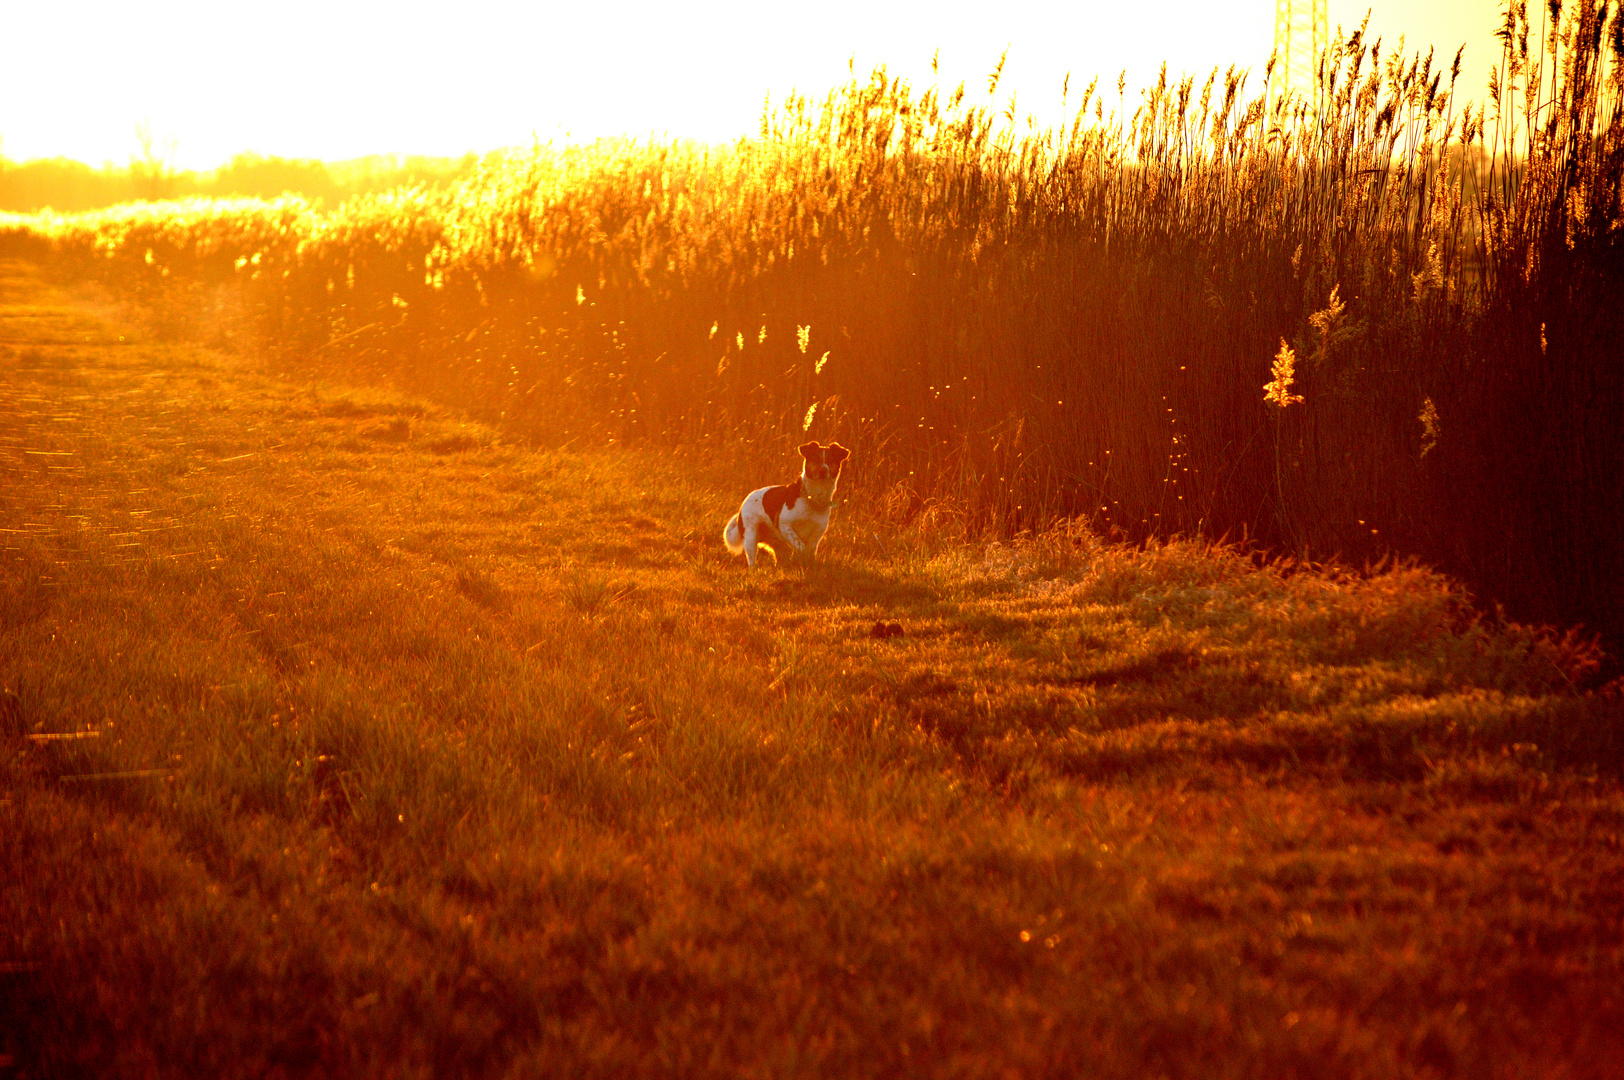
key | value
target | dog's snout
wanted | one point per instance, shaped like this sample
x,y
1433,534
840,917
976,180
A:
x,y
823,472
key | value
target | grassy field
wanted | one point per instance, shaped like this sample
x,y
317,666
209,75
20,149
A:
x,y
340,736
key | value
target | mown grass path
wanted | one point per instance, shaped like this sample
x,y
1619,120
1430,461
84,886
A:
x,y
339,737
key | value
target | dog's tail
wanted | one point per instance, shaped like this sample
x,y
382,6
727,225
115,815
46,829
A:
x,y
733,535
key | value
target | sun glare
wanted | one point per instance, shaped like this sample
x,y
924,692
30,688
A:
x,y
310,79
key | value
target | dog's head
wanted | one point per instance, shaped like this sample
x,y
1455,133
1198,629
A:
x,y
820,468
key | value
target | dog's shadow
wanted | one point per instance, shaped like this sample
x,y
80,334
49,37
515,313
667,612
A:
x,y
831,581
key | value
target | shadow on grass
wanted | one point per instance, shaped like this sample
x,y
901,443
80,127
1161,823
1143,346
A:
x,y
823,584
1584,735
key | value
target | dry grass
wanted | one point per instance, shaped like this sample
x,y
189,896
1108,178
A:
x,y
406,750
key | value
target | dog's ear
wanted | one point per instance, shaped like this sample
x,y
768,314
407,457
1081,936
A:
x,y
807,449
837,453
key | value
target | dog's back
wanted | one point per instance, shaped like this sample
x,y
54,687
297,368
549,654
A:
x,y
753,511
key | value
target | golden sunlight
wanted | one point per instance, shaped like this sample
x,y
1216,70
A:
x,y
670,541
314,79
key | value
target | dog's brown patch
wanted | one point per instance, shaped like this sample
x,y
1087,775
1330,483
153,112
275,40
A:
x,y
777,498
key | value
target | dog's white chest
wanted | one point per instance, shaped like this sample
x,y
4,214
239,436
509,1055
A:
x,y
808,521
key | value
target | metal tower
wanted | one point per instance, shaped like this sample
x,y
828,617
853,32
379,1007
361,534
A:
x,y
1300,38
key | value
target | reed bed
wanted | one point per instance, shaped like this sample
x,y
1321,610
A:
x,y
1364,322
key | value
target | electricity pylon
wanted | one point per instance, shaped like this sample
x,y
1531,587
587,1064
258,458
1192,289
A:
x,y
1300,38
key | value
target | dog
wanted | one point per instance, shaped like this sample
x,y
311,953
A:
x,y
795,515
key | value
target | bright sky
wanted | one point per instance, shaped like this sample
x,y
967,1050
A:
x,y
342,78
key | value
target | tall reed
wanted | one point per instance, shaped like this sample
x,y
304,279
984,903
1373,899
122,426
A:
x,y
1530,473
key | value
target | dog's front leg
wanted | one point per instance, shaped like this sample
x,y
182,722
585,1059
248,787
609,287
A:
x,y
814,542
794,541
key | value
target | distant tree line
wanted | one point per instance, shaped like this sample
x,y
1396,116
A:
x,y
68,186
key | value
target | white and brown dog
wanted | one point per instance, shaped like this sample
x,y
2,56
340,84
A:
x,y
795,514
